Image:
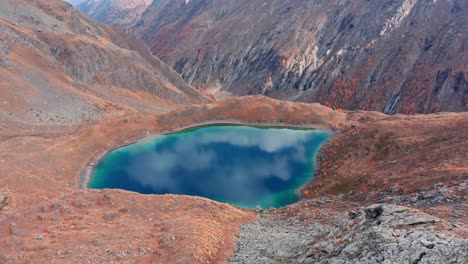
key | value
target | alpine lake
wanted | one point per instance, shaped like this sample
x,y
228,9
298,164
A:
x,y
247,166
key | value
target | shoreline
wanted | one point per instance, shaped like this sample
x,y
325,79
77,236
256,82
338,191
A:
x,y
86,171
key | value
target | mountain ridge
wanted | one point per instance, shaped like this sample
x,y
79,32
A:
x,y
404,56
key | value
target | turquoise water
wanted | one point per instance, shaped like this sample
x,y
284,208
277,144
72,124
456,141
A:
x,y
241,165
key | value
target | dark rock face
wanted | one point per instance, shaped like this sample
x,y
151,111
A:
x,y
403,56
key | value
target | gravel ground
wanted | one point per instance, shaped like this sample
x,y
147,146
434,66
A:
x,y
274,240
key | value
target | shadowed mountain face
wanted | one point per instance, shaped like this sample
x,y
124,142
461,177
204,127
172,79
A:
x,y
59,67
402,56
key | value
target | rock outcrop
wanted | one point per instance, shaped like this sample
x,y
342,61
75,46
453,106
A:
x,y
382,233
392,234
404,56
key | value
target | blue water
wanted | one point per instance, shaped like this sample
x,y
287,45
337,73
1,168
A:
x,y
241,165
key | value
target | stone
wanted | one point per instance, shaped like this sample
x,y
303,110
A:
x,y
13,229
4,201
131,252
416,257
427,244
353,214
142,250
373,211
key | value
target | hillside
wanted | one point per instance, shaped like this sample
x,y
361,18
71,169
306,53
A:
x,y
59,67
404,56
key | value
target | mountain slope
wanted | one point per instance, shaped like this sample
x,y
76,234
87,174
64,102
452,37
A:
x,y
401,56
114,11
59,67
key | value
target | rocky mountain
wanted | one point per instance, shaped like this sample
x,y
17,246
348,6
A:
x,y
115,11
394,56
59,67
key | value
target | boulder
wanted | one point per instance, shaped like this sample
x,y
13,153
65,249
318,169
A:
x,y
373,211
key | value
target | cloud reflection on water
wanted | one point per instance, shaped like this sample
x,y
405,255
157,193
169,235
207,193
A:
x,y
236,163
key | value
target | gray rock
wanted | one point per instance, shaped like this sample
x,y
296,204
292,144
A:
x,y
142,250
353,214
373,211
427,244
417,256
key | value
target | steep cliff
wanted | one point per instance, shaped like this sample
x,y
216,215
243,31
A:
x,y
402,56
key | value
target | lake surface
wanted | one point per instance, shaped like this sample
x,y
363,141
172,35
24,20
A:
x,y
242,165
